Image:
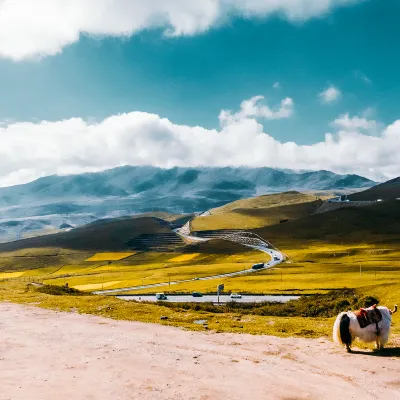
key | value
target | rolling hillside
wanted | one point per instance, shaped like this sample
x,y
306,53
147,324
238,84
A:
x,y
51,203
258,212
266,201
389,190
107,235
377,223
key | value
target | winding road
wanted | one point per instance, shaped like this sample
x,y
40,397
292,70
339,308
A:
x,y
255,242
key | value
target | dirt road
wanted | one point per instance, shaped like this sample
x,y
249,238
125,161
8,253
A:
x,y
46,355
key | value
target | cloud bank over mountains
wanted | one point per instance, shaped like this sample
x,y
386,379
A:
x,y
44,27
30,150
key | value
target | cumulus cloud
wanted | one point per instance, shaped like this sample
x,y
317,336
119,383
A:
x,y
348,123
31,28
30,150
330,95
254,108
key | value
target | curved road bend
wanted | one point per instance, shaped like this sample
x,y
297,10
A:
x,y
276,258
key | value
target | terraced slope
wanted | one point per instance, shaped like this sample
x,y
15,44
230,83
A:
x,y
109,235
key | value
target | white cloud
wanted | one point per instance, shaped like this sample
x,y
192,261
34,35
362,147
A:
x,y
31,28
348,123
30,150
253,108
277,85
330,95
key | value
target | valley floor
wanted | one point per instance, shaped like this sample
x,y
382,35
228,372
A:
x,y
46,355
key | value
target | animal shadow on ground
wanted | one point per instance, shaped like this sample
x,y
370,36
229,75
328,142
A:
x,y
386,352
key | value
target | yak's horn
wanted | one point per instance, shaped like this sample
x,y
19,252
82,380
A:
x,y
394,310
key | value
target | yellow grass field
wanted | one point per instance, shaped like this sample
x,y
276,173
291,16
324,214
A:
x,y
148,274
312,268
184,257
10,275
109,256
96,286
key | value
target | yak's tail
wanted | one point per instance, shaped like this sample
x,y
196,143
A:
x,y
341,331
394,310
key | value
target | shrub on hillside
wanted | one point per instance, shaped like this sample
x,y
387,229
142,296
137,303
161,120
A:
x,y
317,305
55,290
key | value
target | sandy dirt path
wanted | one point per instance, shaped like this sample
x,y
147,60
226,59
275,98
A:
x,y
46,355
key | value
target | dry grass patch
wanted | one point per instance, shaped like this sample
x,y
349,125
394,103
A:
x,y
109,256
96,286
10,275
184,257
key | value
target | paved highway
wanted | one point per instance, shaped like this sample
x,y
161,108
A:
x,y
276,258
212,298
270,264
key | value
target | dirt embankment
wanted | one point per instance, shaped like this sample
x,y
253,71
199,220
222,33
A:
x,y
46,355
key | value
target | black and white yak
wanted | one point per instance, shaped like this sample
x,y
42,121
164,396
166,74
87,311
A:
x,y
369,325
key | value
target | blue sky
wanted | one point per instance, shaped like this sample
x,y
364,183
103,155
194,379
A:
x,y
190,77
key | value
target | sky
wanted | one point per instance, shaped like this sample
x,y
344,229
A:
x,y
88,85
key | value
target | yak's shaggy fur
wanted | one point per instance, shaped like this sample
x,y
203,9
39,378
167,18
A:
x,y
347,328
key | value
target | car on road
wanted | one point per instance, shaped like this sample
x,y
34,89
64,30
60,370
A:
x,y
197,294
236,296
196,279
276,258
161,296
258,266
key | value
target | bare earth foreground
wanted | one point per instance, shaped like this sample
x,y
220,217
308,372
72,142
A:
x,y
49,355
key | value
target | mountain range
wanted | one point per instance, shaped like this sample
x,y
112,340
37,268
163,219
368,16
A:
x,y
55,202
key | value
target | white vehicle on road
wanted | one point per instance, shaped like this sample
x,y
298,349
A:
x,y
236,296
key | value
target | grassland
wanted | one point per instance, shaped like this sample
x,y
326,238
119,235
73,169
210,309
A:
x,y
266,201
109,256
251,218
234,321
184,257
258,212
389,190
314,268
139,269
108,235
355,248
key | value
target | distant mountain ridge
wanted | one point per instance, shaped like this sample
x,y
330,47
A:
x,y
78,199
128,180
